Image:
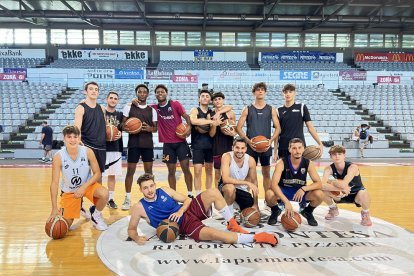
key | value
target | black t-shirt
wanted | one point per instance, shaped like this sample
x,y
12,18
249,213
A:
x,y
222,143
114,118
356,182
48,139
291,121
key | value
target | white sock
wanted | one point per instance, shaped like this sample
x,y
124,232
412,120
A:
x,y
332,206
190,193
128,195
198,192
226,213
111,195
245,238
231,208
365,211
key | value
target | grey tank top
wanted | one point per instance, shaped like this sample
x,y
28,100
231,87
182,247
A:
x,y
75,173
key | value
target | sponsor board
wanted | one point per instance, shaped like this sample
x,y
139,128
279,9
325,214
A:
x,y
304,56
102,54
22,53
353,75
337,247
129,74
158,74
295,75
388,79
15,70
384,57
99,74
203,55
12,76
184,78
325,75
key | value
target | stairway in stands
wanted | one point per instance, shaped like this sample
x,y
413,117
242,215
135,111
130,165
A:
x,y
394,139
17,138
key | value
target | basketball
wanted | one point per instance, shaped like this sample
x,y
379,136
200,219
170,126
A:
x,y
111,132
133,125
291,223
261,143
181,129
249,217
167,230
57,228
227,125
312,153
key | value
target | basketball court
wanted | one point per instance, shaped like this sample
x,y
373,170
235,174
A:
x,y
337,247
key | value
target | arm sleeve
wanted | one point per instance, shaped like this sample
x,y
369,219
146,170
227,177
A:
x,y
179,107
154,115
306,115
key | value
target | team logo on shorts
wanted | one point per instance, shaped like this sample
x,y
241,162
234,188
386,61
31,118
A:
x,y
165,157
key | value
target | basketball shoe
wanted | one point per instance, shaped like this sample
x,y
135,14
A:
x,y
111,204
333,212
365,219
127,204
85,213
233,226
309,217
264,237
274,215
97,220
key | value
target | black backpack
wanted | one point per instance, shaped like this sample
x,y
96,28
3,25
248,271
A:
x,y
363,134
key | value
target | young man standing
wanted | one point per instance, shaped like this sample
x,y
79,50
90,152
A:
x,y
76,162
170,114
259,117
113,166
348,182
140,145
239,177
222,138
291,116
46,140
162,203
289,183
363,138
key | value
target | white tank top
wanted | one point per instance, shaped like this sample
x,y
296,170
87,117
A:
x,y
74,173
240,173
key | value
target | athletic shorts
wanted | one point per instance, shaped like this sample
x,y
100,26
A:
x,y
363,143
350,198
243,198
47,147
113,164
71,206
172,151
191,224
100,157
289,192
217,161
264,160
201,156
146,154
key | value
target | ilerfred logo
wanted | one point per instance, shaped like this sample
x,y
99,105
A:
x,y
295,75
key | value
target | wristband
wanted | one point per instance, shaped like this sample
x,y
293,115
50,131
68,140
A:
x,y
302,189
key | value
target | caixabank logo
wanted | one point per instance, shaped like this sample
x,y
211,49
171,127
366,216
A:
x,y
338,247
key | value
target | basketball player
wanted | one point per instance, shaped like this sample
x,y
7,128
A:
x,y
222,138
76,162
162,203
170,114
291,116
259,117
289,183
113,165
347,180
46,140
140,145
239,177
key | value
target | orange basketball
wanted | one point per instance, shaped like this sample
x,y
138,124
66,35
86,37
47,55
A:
x,y
249,217
133,125
181,129
261,143
291,223
111,132
57,228
227,125
312,153
167,230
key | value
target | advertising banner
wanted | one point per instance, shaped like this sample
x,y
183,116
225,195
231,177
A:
x,y
12,77
388,79
184,78
15,70
22,53
203,55
100,74
159,74
102,54
384,57
303,56
129,74
295,75
353,75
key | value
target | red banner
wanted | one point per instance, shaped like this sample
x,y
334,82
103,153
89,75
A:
x,y
388,79
12,77
384,57
185,78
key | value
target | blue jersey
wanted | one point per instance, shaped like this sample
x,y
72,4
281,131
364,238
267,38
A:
x,y
161,208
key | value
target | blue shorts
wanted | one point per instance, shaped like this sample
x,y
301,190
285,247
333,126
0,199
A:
x,y
289,192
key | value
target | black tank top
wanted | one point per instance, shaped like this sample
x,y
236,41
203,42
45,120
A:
x,y
142,139
259,122
93,127
291,177
222,143
201,140
356,182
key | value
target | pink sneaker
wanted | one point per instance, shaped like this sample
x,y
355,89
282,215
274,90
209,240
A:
x,y
333,212
365,219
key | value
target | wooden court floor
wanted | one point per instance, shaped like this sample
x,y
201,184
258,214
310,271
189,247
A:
x,y
25,204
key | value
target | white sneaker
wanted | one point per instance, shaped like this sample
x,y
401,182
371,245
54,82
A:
x,y
84,213
97,220
127,204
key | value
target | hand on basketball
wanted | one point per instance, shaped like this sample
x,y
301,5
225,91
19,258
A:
x,y
118,136
53,214
175,216
146,127
298,195
289,209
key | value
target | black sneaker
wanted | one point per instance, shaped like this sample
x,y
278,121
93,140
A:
x,y
310,218
190,196
111,204
274,215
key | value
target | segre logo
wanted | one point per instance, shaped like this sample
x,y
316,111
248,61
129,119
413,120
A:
x,y
295,75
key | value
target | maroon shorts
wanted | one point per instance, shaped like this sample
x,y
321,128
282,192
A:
x,y
191,224
217,161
